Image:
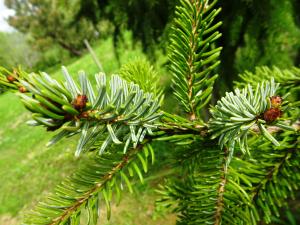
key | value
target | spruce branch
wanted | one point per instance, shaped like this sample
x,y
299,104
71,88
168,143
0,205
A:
x,y
118,109
271,176
289,79
240,111
221,190
212,185
94,183
181,131
141,72
191,55
9,80
204,193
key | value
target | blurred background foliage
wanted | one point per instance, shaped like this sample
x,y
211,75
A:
x,y
255,32
49,33
10,56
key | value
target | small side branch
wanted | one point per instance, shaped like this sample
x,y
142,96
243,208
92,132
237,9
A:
x,y
221,190
273,171
127,158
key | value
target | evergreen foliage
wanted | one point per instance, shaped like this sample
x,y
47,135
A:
x,y
192,56
12,56
98,181
244,177
247,41
250,190
236,113
119,108
256,31
146,19
288,78
142,73
51,23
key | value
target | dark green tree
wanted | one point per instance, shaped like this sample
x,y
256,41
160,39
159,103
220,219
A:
x,y
146,19
254,32
259,33
51,22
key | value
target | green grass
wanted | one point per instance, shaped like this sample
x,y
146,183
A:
x,y
28,170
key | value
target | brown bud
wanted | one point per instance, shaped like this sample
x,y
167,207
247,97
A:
x,y
276,101
80,102
84,115
11,78
22,89
272,114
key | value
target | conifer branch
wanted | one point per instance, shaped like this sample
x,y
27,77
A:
x,y
118,108
10,80
288,78
270,177
121,116
204,192
96,180
240,111
192,58
142,73
272,172
270,193
221,190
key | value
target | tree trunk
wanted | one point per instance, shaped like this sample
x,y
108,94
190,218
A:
x,y
73,51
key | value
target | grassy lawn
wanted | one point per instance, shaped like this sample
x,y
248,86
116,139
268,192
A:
x,y
28,170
